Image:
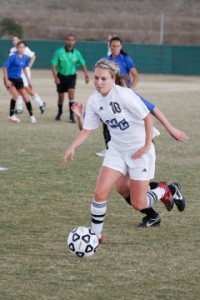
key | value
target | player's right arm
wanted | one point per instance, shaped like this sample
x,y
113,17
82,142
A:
x,y
79,139
54,72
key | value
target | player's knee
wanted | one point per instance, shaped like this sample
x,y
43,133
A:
x,y
138,205
100,194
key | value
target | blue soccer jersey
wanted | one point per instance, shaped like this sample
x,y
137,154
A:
x,y
15,64
125,63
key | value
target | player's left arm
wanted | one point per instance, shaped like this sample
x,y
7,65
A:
x,y
78,110
135,75
174,132
32,60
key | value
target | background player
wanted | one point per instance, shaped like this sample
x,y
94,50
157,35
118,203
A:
x,y
29,88
12,70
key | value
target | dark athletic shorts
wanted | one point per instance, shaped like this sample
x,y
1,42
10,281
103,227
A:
x,y
17,82
66,83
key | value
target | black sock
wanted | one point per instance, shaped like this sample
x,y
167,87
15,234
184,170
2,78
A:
x,y
12,107
60,109
29,108
150,212
128,200
71,114
153,185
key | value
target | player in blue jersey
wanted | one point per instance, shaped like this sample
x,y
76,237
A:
x,y
35,96
12,70
127,67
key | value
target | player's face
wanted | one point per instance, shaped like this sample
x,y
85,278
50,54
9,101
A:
x,y
115,48
103,81
15,40
21,48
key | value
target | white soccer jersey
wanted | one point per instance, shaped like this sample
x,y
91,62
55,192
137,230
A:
x,y
27,51
123,111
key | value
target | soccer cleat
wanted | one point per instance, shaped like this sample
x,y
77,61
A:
x,y
177,196
167,199
100,238
42,108
101,153
149,222
57,118
72,120
33,120
14,119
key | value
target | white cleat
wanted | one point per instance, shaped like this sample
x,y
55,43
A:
x,y
33,120
14,119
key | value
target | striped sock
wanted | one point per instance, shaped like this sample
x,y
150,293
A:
x,y
151,198
98,213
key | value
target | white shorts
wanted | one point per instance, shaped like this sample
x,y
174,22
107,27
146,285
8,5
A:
x,y
138,169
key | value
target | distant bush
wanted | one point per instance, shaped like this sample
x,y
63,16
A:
x,y
9,26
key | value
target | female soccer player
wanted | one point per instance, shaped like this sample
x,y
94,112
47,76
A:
x,y
130,151
12,70
35,96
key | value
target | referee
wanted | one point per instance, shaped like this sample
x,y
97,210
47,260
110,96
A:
x,y
65,62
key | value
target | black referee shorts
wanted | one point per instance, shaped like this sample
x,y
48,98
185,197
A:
x,y
66,83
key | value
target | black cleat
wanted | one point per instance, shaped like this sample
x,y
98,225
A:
x,y
57,118
177,196
150,222
72,120
42,108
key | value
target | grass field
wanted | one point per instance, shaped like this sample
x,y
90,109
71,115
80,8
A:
x,y
41,201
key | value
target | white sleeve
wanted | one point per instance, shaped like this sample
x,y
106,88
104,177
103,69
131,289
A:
x,y
12,51
91,120
28,52
135,105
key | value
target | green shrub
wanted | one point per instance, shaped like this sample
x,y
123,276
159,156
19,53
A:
x,y
9,26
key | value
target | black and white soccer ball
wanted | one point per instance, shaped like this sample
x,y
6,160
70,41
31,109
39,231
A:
x,y
82,241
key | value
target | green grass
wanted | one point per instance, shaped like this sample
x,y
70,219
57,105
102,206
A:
x,y
41,201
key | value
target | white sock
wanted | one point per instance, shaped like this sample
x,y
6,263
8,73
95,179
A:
x,y
98,213
19,103
38,100
154,195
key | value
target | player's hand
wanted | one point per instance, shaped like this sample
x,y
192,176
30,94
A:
x,y
68,153
140,152
8,84
77,109
178,135
30,85
57,80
